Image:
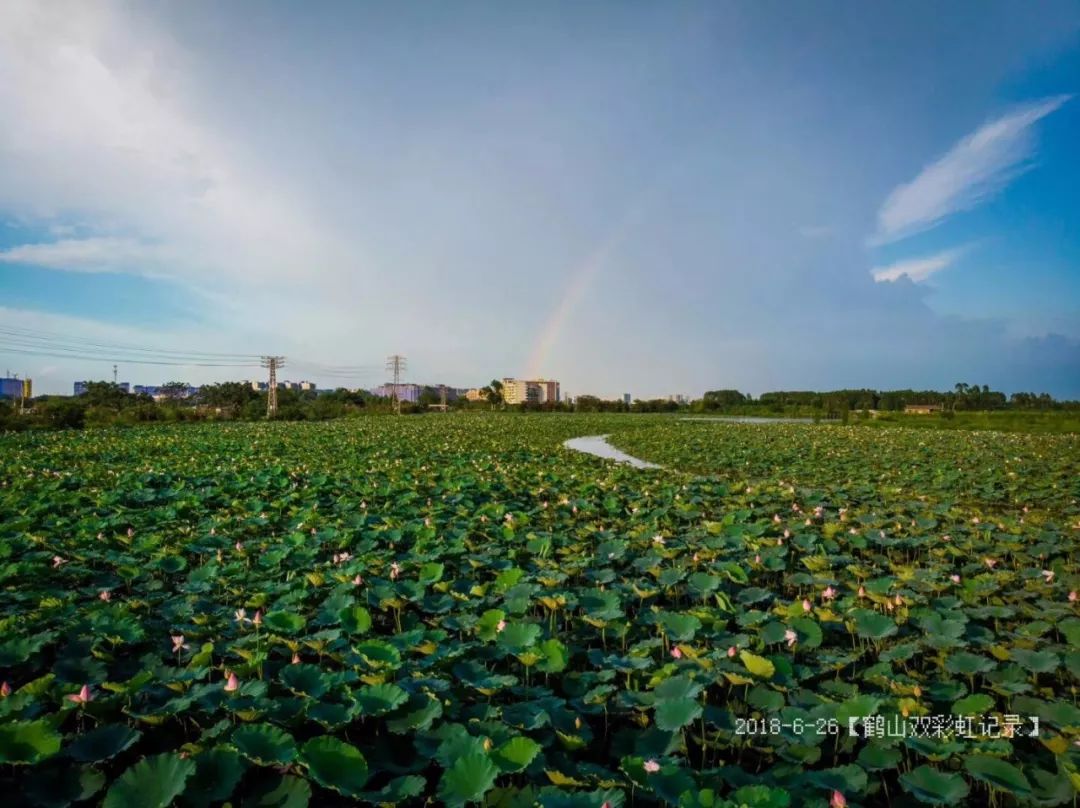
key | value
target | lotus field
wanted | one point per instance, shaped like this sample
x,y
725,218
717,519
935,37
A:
x,y
456,609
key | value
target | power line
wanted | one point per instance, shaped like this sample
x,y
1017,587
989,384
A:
x,y
54,339
112,357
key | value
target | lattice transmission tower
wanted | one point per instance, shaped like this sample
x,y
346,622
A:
x,y
395,364
272,363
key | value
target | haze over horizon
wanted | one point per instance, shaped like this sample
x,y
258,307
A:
x,y
644,198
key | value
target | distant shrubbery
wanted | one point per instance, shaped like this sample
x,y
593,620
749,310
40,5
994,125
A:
x,y
105,404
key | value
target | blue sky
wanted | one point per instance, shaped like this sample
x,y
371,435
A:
x,y
630,197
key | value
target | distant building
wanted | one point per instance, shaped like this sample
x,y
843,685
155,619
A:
x,y
476,394
307,385
259,387
534,391
14,387
151,390
80,387
626,399
405,392
922,409
678,398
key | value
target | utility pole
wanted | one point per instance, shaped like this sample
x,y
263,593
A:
x,y
114,374
272,363
396,364
442,396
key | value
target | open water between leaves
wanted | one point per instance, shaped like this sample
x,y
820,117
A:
x,y
598,445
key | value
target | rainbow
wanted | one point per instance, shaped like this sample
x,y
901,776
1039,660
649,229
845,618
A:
x,y
580,281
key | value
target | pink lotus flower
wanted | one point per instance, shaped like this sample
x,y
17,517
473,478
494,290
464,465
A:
x,y
990,562
232,683
974,520
791,637
5,690
954,578
776,518
787,533
57,561
757,558
807,605
501,625
509,517
239,547
241,616
257,619
837,800
731,651
651,766
829,593
695,558
808,523
213,531
1072,596
862,591
819,511
295,659
658,539
394,570
358,581
82,697
178,643
899,600
104,595
1048,575
779,542
675,652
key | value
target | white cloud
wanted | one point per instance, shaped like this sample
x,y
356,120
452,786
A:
x,y
977,167
95,254
916,269
102,125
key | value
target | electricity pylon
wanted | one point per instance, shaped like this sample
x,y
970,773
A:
x,y
396,364
272,363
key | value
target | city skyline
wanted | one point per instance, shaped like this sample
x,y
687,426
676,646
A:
x,y
688,196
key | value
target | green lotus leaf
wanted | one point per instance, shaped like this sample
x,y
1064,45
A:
x,y
759,666
556,656
467,780
1036,661
998,774
515,754
516,637
283,622
379,653
398,790
680,627
673,715
280,792
878,758
935,787
305,680
265,744
355,619
153,782
217,773
808,631
25,742
335,764
51,786
969,664
380,699
418,713
975,704
102,743
873,625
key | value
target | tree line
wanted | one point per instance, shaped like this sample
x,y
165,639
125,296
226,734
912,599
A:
x,y
105,403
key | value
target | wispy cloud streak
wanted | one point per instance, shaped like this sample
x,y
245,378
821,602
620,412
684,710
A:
x,y
973,170
916,269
